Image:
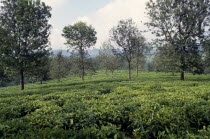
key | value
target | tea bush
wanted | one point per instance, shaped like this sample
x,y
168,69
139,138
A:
x,y
154,105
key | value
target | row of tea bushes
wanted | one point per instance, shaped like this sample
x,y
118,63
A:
x,y
102,108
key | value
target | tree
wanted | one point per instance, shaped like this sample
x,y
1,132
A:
x,y
3,78
181,23
207,56
26,22
80,37
126,37
108,60
58,67
41,73
141,49
5,74
165,60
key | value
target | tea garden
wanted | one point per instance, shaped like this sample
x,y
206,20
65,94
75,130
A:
x,y
155,105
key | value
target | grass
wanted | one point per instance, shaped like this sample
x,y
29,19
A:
x,y
154,105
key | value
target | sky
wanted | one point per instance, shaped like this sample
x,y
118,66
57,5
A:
x,y
101,14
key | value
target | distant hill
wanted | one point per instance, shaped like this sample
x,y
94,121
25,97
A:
x,y
92,52
95,52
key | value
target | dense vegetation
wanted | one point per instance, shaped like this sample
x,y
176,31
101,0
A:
x,y
156,105
182,30
58,104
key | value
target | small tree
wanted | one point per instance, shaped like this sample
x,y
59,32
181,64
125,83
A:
x,y
58,69
26,24
80,37
108,60
125,36
141,49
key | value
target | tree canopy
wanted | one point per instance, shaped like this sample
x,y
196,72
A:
x,y
128,41
79,37
183,24
26,23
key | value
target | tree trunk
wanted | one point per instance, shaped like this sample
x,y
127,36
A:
x,y
21,80
182,67
82,68
83,71
182,75
137,71
137,67
106,71
129,70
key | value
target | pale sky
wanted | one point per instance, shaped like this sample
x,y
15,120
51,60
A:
x,y
101,14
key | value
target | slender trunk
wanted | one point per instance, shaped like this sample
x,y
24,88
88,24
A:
x,y
182,75
82,68
129,70
83,71
137,67
21,80
182,67
137,71
106,72
59,70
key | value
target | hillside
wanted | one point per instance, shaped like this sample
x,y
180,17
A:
x,y
156,105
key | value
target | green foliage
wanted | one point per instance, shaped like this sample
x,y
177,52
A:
x,y
26,24
154,106
107,60
3,77
166,60
207,56
184,26
129,42
59,67
79,37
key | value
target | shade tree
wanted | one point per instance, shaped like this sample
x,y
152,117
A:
x,y
127,41
27,27
79,37
183,24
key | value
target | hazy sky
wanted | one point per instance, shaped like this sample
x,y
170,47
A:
x,y
101,14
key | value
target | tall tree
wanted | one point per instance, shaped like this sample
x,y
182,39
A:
x,y
126,37
181,23
80,37
26,21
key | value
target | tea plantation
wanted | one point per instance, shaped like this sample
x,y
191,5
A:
x,y
155,105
